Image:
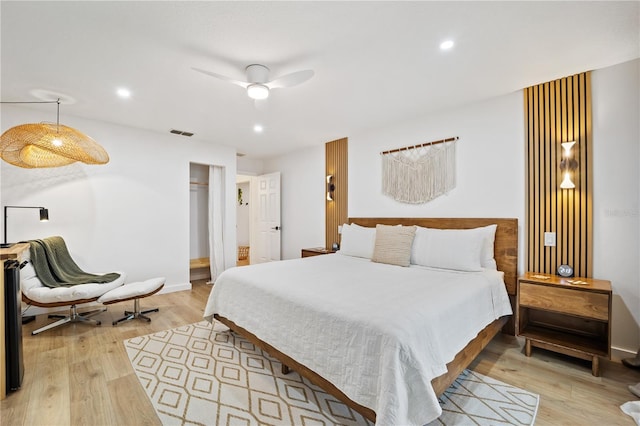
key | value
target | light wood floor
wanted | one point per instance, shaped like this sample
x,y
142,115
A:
x,y
80,374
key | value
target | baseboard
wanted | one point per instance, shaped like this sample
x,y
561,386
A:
x,y
37,310
199,275
175,287
617,354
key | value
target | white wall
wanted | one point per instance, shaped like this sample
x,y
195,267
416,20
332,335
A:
x,y
490,182
616,195
490,164
302,199
249,166
131,214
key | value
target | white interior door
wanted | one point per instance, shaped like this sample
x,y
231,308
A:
x,y
265,234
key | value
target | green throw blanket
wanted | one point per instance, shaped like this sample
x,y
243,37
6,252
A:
x,y
55,267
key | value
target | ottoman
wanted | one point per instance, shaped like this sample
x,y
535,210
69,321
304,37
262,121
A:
x,y
133,291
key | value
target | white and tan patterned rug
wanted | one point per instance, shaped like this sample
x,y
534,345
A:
x,y
201,374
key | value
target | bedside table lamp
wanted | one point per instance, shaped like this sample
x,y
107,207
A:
x,y
44,217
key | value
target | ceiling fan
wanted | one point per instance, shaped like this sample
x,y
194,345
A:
x,y
258,83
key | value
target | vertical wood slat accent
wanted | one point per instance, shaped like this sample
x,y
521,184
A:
x,y
336,211
555,112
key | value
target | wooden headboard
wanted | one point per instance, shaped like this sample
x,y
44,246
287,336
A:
x,y
505,246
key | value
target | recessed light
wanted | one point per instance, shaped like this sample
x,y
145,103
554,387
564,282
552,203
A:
x,y
446,45
258,128
124,93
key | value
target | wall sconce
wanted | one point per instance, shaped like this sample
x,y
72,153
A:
x,y
44,217
568,165
331,187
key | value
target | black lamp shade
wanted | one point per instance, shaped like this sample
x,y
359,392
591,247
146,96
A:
x,y
44,215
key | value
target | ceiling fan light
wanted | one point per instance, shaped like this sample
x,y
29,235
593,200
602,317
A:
x,y
258,91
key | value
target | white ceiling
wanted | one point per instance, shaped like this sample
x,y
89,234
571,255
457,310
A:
x,y
375,63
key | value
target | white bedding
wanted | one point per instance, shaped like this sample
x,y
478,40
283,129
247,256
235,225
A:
x,y
380,333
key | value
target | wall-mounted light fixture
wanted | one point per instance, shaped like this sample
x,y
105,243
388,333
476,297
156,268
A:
x,y
331,187
44,217
568,165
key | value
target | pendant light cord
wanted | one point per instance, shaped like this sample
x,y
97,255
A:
x,y
31,102
57,101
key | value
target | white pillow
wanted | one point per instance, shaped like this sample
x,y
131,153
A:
x,y
486,256
457,249
357,241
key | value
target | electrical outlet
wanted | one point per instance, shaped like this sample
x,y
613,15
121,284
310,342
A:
x,y
549,239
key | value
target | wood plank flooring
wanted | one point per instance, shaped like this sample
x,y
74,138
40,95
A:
x,y
80,375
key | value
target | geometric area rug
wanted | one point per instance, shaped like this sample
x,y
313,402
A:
x,y
202,374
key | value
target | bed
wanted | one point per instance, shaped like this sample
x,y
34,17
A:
x,y
383,338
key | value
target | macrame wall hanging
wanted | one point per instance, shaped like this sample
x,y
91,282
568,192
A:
x,y
419,173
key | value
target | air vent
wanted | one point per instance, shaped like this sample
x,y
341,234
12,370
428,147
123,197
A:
x,y
239,154
181,132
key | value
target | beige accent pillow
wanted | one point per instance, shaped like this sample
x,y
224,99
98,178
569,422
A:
x,y
393,244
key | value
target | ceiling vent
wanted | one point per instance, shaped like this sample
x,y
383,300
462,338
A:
x,y
181,132
239,154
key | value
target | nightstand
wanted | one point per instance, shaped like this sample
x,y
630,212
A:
x,y
315,251
571,316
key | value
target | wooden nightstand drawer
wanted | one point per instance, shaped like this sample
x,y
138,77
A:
x,y
569,301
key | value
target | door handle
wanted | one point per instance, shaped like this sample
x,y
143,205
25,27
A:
x,y
277,228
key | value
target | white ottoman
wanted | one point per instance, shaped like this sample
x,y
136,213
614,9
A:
x,y
133,291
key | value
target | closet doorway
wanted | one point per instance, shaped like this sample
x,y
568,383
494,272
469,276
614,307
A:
x,y
199,269
243,219
207,221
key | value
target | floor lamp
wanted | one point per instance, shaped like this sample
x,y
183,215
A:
x,y
44,217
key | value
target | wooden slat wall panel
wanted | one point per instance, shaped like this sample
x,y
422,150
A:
x,y
336,164
555,112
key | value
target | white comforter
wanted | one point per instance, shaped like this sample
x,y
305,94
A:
x,y
380,333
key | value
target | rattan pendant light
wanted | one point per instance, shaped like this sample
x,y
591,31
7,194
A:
x,y
49,145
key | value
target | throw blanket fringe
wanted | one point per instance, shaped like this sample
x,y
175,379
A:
x,y
55,267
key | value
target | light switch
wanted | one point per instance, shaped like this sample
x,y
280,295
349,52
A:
x,y
549,239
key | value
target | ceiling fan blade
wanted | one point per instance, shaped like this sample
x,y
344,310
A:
x,y
290,80
222,77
